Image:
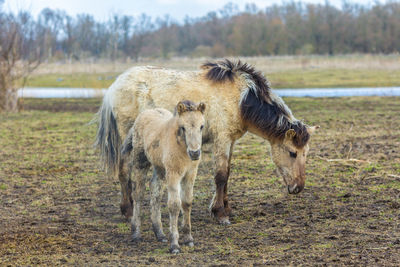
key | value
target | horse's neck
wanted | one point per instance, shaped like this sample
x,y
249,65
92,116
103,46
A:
x,y
255,130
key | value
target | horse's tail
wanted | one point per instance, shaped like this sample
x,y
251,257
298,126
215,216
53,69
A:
x,y
108,139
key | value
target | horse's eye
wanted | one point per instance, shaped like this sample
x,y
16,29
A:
x,y
293,154
182,129
201,127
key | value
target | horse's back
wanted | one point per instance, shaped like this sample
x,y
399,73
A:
x,y
151,122
141,88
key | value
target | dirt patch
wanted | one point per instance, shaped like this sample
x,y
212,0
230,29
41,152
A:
x,y
58,207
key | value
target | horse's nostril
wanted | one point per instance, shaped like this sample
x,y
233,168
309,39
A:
x,y
194,154
294,189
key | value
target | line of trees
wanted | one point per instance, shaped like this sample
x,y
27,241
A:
x,y
289,28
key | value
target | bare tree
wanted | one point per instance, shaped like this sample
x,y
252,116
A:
x,y
17,60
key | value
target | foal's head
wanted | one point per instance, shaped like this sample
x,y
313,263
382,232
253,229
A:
x,y
290,160
191,123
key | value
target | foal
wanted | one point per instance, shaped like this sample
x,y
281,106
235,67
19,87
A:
x,y
172,145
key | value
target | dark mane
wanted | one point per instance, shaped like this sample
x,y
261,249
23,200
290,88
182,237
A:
x,y
271,121
224,70
258,105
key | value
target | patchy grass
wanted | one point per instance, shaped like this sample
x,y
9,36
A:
x,y
332,78
283,72
74,80
59,208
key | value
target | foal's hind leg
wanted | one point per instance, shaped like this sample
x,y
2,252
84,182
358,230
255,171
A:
x,y
139,179
156,191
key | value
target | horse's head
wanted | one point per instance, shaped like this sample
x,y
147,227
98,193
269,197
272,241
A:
x,y
190,123
291,160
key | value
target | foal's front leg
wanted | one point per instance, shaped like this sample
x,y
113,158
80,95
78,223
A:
x,y
187,199
174,207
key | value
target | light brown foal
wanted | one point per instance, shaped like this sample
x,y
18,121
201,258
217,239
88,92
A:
x,y
172,145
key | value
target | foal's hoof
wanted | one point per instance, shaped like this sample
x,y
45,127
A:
x,y
174,249
162,239
189,244
136,238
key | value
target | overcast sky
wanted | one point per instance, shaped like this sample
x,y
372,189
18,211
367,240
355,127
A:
x,y
178,9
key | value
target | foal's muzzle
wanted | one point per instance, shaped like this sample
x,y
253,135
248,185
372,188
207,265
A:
x,y
295,189
194,155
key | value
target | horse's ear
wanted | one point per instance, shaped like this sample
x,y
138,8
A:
x,y
311,130
290,134
201,107
181,107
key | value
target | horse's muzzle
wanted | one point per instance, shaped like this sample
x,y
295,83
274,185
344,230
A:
x,y
295,189
194,155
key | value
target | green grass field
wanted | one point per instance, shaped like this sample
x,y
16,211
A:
x,y
59,208
282,72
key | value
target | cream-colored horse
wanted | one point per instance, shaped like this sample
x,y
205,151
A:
x,y
172,145
238,100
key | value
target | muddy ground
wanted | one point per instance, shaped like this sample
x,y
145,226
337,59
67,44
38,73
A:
x,y
57,207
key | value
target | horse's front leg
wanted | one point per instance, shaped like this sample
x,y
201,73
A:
x,y
187,199
220,205
174,207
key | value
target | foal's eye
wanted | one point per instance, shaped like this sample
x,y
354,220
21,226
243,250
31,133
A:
x,y
201,127
293,154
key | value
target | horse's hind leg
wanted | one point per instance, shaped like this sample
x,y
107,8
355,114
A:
x,y
156,191
187,199
126,189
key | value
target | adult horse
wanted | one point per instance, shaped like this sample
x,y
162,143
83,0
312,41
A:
x,y
238,100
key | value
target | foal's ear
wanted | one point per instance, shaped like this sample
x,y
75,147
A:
x,y
181,107
290,134
201,107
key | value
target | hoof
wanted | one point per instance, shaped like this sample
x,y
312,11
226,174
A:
x,y
174,249
224,221
136,236
136,239
126,210
221,215
162,239
189,244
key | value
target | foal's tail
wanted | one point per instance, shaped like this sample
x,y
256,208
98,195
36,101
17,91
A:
x,y
107,138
